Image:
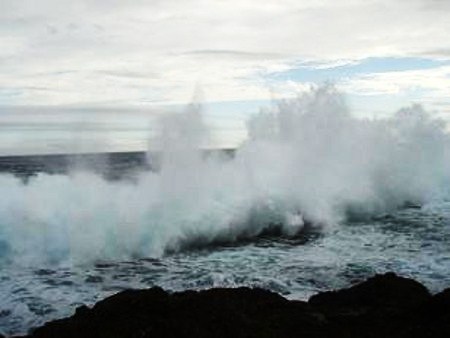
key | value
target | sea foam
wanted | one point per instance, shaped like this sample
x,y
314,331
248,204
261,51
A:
x,y
306,161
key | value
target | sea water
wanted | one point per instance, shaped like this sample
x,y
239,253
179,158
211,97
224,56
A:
x,y
315,199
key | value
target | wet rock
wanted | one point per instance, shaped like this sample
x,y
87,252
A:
x,y
379,307
383,306
381,291
82,311
432,319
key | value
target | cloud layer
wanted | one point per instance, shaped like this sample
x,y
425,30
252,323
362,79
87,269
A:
x,y
106,54
118,53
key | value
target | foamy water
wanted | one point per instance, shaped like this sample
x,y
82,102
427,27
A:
x,y
412,242
309,164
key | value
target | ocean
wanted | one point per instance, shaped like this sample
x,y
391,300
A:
x,y
315,200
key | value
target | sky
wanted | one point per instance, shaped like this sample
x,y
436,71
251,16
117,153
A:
x,y
93,75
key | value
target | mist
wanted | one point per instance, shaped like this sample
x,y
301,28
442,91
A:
x,y
307,162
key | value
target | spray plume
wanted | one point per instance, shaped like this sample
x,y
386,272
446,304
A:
x,y
306,161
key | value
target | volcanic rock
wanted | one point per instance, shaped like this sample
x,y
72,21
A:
x,y
383,306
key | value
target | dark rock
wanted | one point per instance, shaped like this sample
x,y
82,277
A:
x,y
380,303
438,305
380,291
383,306
432,319
82,310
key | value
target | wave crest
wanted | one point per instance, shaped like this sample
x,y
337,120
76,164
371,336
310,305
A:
x,y
307,160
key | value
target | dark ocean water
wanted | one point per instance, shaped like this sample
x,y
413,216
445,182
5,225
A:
x,y
109,165
413,241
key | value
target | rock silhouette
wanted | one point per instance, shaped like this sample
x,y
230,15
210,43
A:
x,y
383,306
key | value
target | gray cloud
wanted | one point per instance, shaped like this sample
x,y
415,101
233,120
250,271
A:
x,y
440,53
436,5
146,51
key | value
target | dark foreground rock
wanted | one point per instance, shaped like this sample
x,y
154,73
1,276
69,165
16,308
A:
x,y
383,306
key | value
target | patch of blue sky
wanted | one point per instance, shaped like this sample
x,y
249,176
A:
x,y
317,73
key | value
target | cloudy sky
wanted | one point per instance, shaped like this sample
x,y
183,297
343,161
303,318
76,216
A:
x,y
93,74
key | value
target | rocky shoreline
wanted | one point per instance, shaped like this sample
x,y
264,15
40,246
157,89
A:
x,y
383,306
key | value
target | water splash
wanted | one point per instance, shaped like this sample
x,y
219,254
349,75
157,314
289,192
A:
x,y
307,161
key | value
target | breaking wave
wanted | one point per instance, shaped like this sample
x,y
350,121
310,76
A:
x,y
306,161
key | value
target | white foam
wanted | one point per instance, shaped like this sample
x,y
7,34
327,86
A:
x,y
306,159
